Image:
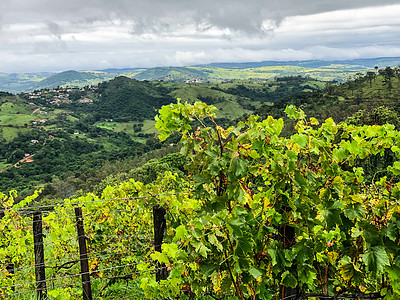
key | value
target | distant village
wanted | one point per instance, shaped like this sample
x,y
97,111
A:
x,y
60,95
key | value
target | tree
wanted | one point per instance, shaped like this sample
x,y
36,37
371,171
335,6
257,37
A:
x,y
375,116
388,73
370,77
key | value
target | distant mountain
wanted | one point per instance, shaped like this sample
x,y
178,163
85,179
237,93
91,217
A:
x,y
16,83
120,71
175,74
381,62
339,70
26,82
65,78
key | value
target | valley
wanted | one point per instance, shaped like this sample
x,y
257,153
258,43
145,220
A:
x,y
69,132
78,134
339,70
240,155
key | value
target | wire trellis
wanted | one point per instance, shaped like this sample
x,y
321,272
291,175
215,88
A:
x,y
66,266
30,209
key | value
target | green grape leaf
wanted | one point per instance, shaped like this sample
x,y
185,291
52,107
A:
x,y
159,256
391,232
355,211
346,271
288,280
180,233
243,246
376,259
255,272
202,250
293,113
300,139
170,249
214,241
239,167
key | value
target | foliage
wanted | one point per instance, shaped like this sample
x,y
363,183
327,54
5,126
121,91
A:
x,y
110,228
266,209
281,212
124,97
321,70
362,95
257,215
70,132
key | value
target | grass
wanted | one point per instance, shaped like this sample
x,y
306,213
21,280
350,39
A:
x,y
230,110
108,146
12,118
107,125
9,133
4,166
126,127
72,119
328,73
58,111
12,108
149,127
195,93
16,120
12,114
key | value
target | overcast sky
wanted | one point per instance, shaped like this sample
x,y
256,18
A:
x,y
55,35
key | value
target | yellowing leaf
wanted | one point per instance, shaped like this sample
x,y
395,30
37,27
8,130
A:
x,y
332,256
346,271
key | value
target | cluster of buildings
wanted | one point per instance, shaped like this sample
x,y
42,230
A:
x,y
60,95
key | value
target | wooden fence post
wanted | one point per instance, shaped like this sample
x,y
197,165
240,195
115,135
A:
x,y
288,238
83,257
160,226
40,270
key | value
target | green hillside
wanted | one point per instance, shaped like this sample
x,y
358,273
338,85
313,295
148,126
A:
x,y
276,195
128,99
176,74
71,132
339,70
55,134
66,77
370,98
26,82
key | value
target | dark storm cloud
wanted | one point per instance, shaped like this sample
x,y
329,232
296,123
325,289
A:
x,y
161,15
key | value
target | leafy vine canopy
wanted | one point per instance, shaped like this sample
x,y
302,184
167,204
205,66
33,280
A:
x,y
259,215
303,212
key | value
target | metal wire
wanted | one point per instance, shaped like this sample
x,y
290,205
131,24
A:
x,y
76,275
65,261
28,210
93,201
73,216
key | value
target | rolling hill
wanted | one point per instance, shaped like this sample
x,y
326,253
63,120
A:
x,y
370,99
54,134
339,70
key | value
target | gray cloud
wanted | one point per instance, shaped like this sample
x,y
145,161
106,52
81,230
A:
x,y
50,35
160,15
55,30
